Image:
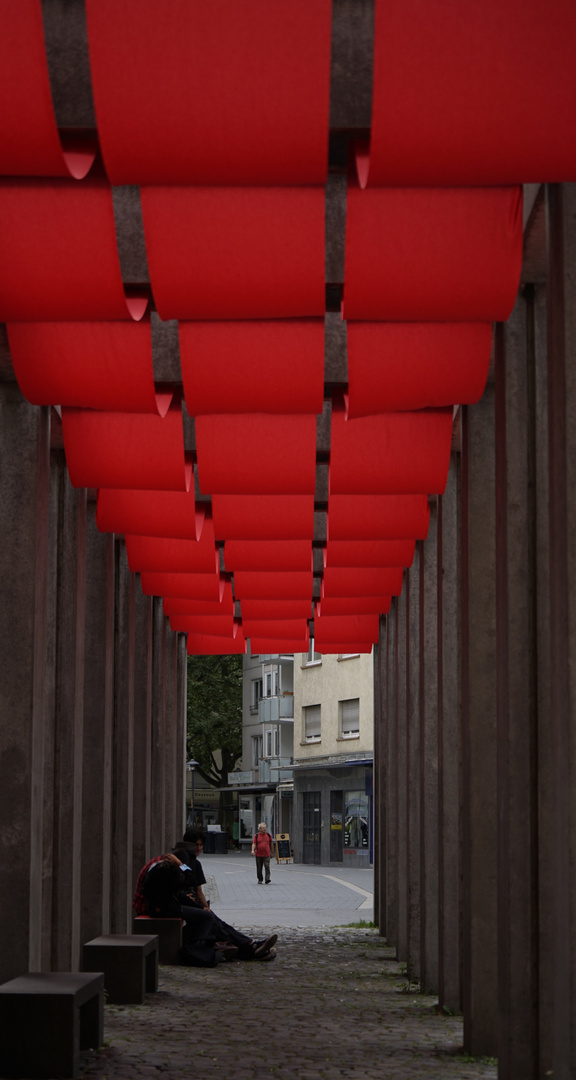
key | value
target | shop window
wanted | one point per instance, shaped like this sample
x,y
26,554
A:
x,y
349,718
356,818
312,721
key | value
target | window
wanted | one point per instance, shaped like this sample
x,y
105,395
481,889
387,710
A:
x,y
349,718
276,741
268,737
256,693
268,684
312,723
356,818
313,657
256,750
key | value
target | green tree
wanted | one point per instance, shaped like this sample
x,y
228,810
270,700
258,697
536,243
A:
x,y
214,714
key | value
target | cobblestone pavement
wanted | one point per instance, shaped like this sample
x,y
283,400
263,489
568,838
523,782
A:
x,y
333,1003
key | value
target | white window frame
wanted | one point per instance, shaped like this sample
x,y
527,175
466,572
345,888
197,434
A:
x,y
312,657
346,710
256,750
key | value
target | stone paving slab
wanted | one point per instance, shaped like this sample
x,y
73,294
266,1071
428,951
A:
x,y
333,1003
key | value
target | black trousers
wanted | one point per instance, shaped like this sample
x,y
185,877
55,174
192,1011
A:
x,y
204,925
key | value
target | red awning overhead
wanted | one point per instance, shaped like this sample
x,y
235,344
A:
x,y
150,513
396,366
58,254
259,454
481,93
213,625
175,605
125,450
276,609
346,628
378,517
263,517
279,645
192,586
293,629
96,365
175,556
217,93
354,605
235,253
370,552
269,366
268,555
205,644
267,585
361,581
29,140
394,453
432,254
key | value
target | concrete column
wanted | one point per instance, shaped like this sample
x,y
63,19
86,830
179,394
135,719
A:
x,y
98,720
182,674
449,745
558,799
479,758
429,756
391,778
24,491
123,746
142,730
402,775
69,721
517,694
413,791
158,791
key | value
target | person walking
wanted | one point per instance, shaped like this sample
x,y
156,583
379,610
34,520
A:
x,y
262,846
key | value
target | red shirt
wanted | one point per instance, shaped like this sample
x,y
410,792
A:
x,y
263,845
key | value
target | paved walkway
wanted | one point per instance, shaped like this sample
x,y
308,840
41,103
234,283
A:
x,y
334,1002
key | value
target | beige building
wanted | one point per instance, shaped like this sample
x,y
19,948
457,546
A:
x,y
333,752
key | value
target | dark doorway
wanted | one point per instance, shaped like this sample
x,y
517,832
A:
x,y
312,828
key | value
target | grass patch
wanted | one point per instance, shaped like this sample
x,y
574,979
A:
x,y
362,925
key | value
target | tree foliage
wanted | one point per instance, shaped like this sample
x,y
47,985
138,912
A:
x,y
214,714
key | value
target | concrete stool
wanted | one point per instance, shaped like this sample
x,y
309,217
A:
x,y
169,932
129,963
46,1018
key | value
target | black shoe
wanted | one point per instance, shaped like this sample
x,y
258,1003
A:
x,y
263,947
269,956
267,882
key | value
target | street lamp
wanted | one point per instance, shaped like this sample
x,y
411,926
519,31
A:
x,y
190,768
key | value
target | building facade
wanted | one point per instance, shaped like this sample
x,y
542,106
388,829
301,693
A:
x,y
333,756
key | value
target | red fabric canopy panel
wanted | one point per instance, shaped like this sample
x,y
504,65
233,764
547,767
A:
x,y
478,95
341,648
276,609
393,366
175,556
393,453
361,581
294,629
58,254
206,645
268,555
370,552
211,93
191,586
97,365
432,254
263,517
29,141
175,605
212,625
235,253
378,517
269,646
256,454
346,628
125,450
354,605
267,585
150,513
269,366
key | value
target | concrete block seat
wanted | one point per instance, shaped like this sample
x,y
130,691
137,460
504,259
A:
x,y
129,963
169,933
46,1019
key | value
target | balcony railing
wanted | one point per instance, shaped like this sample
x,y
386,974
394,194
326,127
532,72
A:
x,y
274,769
273,709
